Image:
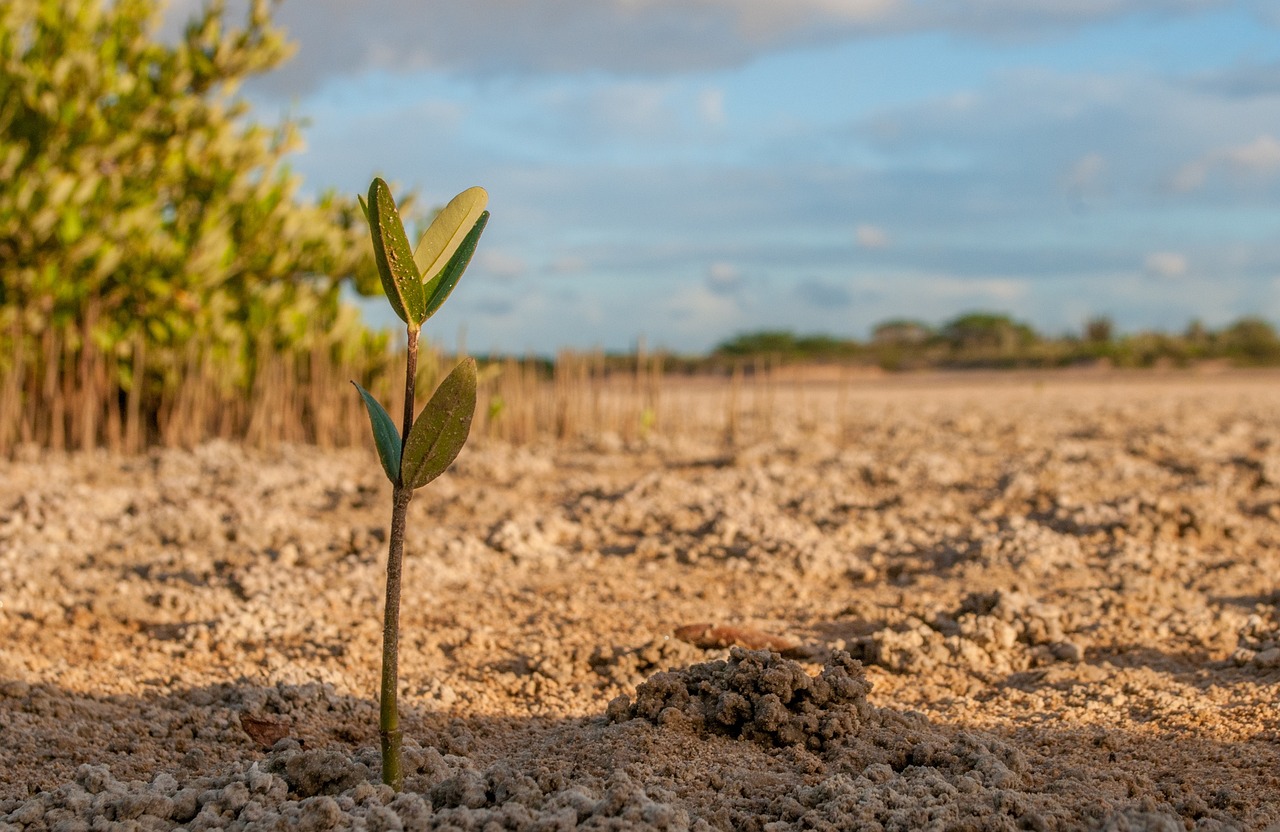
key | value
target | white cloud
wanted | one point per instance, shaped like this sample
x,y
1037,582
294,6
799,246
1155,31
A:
x,y
1165,264
711,107
723,278
635,106
1191,176
691,314
488,37
764,19
577,117
1085,176
871,236
1261,156
1248,162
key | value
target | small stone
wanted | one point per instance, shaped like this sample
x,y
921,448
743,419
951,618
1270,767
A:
x,y
319,813
1268,658
1067,651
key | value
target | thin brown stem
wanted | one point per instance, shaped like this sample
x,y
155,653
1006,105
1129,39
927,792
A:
x,y
389,715
410,380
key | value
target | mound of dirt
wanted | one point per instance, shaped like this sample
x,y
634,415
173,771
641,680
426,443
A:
x,y
758,696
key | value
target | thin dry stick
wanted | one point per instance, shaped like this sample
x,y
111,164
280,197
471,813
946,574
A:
x,y
133,416
597,376
262,399
233,413
320,408
182,430
89,395
656,377
49,389
731,417
842,407
111,372
11,415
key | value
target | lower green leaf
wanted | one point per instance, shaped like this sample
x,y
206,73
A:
x,y
385,435
441,429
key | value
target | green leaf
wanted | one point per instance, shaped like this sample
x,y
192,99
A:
x,y
364,206
441,429
447,231
441,286
400,277
385,435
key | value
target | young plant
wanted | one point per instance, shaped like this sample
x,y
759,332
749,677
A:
x,y
417,283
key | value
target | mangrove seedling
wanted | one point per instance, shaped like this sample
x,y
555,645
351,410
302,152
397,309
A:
x,y
417,282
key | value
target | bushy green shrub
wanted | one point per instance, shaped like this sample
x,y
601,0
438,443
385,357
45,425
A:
x,y
140,200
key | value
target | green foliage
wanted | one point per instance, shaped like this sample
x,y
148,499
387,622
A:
x,y
432,441
139,195
437,434
400,278
441,429
446,234
901,332
759,343
786,345
995,340
987,331
442,255
1099,330
441,286
1251,341
385,435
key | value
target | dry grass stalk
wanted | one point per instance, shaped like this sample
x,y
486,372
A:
x,y
59,391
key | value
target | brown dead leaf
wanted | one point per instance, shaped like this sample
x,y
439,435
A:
x,y
265,731
712,636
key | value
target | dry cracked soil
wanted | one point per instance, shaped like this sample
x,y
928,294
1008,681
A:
x,y
959,603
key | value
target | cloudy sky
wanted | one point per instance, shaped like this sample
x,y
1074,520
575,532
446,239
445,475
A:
x,y
685,170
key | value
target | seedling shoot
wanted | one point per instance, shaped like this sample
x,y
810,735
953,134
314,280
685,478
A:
x,y
417,283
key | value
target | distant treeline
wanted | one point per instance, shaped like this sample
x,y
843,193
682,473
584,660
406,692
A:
x,y
996,341
975,340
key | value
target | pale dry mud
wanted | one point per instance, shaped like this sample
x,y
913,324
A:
x,y
1040,603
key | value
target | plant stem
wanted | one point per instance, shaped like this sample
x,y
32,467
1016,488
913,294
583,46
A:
x,y
389,717
410,379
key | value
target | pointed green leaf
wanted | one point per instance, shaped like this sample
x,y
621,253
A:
x,y
385,435
441,286
441,429
364,206
447,231
400,277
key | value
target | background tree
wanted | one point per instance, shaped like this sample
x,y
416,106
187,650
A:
x,y
1250,342
1099,331
899,332
140,201
987,332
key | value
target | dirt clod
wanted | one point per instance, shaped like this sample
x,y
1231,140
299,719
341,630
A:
x,y
758,696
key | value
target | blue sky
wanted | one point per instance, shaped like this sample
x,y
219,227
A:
x,y
685,170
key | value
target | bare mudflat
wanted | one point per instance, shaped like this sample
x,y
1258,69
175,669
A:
x,y
1014,602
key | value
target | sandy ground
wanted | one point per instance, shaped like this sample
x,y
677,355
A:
x,y
1043,603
